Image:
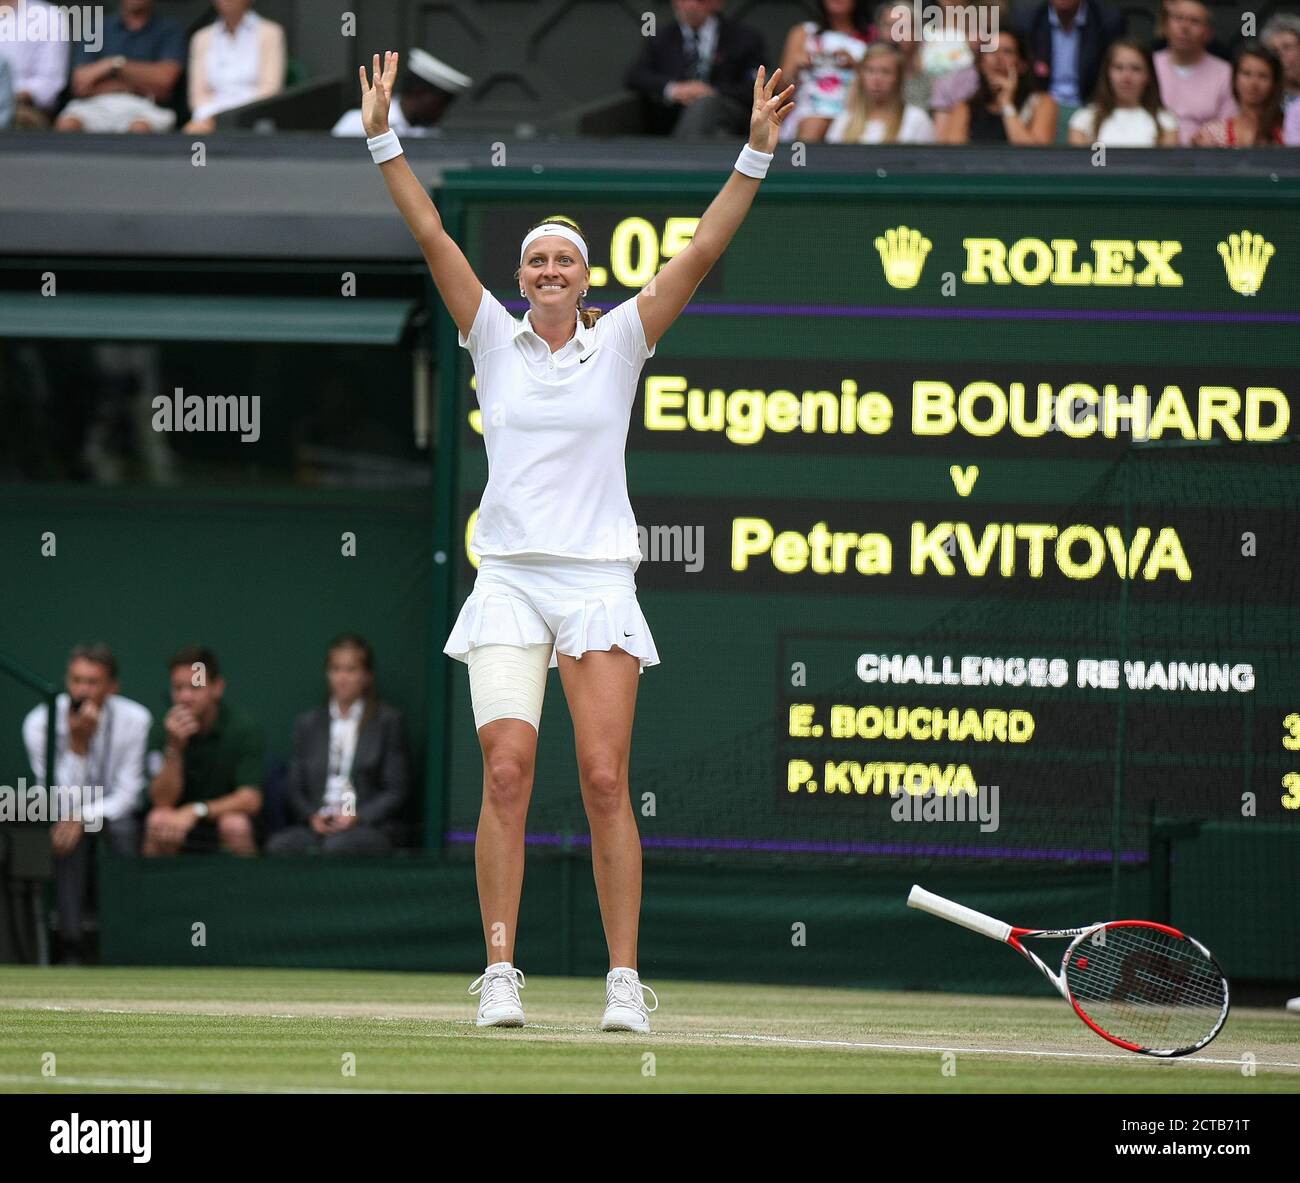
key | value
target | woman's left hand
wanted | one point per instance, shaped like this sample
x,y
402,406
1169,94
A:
x,y
769,111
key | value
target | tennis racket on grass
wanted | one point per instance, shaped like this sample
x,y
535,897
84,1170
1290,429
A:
x,y
1143,986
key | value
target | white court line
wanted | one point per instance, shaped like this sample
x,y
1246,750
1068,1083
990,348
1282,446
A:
x,y
1007,1051
175,1086
1115,1057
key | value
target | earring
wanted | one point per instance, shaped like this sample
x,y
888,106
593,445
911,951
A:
x,y
521,291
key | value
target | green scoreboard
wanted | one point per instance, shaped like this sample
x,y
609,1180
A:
x,y
964,500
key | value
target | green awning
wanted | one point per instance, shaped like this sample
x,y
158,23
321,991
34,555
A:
x,y
126,317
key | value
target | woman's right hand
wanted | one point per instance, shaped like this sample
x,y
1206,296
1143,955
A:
x,y
1006,87
375,98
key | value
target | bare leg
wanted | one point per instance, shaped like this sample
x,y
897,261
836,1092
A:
x,y
601,690
509,760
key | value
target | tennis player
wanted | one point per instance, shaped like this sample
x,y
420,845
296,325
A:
x,y
555,533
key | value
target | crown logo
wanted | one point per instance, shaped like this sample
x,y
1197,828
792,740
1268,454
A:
x,y
1245,259
902,254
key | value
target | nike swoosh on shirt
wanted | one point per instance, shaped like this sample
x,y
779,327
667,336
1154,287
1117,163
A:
x,y
582,359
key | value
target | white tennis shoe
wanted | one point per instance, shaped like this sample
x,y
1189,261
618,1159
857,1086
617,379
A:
x,y
625,1008
497,988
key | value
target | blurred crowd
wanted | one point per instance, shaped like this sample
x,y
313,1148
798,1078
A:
x,y
127,79
947,71
1065,72
198,779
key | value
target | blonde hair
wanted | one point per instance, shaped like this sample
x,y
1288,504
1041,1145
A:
x,y
589,316
856,102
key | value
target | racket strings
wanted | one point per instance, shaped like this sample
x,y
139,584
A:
x,y
1146,987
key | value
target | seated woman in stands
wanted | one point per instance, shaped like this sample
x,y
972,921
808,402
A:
x,y
237,59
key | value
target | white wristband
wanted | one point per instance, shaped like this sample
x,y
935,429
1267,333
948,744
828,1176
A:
x,y
753,163
384,147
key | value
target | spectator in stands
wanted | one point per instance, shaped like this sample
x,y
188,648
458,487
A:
x,y
1161,39
1065,41
1194,85
126,84
237,59
1282,36
348,774
1257,90
959,86
1007,107
696,76
6,95
1125,111
875,112
820,60
1291,128
206,761
99,756
425,92
894,26
946,46
38,66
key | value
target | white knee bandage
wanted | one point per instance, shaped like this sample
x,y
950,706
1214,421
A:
x,y
508,682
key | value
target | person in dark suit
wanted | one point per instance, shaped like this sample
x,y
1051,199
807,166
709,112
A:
x,y
348,773
1065,41
696,76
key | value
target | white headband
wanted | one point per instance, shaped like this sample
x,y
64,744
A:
x,y
554,228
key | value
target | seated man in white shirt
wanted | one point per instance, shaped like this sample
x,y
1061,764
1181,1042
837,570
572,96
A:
x,y
126,84
35,40
6,95
425,92
99,761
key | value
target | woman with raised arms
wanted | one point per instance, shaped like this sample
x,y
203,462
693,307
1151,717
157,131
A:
x,y
556,534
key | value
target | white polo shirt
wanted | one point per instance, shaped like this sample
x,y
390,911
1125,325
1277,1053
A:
x,y
114,759
555,426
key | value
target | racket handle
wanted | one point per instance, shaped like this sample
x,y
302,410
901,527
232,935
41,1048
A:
x,y
936,905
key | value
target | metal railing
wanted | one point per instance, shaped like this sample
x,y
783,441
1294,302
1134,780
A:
x,y
49,692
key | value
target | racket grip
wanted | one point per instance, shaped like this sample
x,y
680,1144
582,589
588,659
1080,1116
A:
x,y
936,905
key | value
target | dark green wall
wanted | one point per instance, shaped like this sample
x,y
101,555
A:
x,y
257,576
417,911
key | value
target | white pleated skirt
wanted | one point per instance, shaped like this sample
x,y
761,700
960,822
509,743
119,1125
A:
x,y
576,605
